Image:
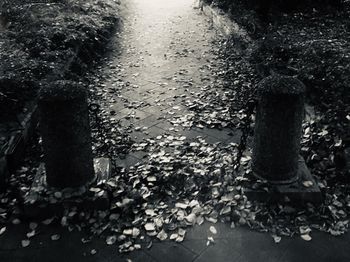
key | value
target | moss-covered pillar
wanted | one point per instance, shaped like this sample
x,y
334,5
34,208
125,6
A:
x,y
278,127
66,135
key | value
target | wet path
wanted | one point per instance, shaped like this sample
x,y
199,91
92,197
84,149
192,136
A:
x,y
165,64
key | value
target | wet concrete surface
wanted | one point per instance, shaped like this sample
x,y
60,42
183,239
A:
x,y
165,61
238,244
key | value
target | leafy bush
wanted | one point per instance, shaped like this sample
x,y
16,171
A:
x,y
41,39
281,5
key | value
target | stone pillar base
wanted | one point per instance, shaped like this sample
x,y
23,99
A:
x,y
43,201
304,190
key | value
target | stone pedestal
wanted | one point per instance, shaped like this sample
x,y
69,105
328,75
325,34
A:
x,y
3,173
66,135
43,201
277,136
277,132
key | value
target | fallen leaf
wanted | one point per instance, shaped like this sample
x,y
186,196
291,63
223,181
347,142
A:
x,y
127,232
149,245
276,238
16,221
150,227
210,241
110,240
33,225
150,212
162,235
181,232
180,239
213,230
135,232
25,242
48,221
306,237
30,234
308,183
2,230
191,218
304,230
55,237
200,220
173,236
181,205
58,194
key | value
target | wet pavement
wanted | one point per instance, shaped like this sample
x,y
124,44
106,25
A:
x,y
164,62
238,244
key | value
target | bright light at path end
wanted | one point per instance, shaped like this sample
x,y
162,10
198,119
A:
x,y
159,5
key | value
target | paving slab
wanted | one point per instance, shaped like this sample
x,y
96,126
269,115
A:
x,y
171,252
230,244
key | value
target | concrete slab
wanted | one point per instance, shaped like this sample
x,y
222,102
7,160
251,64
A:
x,y
304,190
42,201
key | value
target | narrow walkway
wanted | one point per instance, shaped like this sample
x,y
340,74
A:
x,y
165,62
165,65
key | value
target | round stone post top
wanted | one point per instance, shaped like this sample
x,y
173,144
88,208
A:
x,y
62,90
281,85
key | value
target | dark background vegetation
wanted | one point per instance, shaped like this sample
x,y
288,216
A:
x,y
308,40
42,41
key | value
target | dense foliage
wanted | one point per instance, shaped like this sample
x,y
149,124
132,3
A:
x,y
41,41
311,43
281,5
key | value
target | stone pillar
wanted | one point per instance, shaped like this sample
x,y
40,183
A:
x,y
4,174
66,135
278,127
